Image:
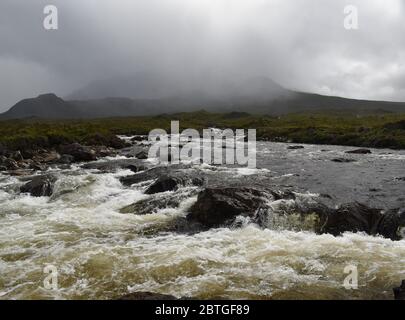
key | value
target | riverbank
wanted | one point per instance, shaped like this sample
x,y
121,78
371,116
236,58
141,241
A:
x,y
386,130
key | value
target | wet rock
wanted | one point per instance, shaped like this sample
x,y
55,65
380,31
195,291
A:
x,y
171,183
38,166
9,164
400,178
152,205
47,157
220,206
392,225
40,186
399,292
353,217
147,296
139,138
79,152
17,156
142,155
295,147
102,151
153,174
343,160
134,165
359,151
66,159
20,172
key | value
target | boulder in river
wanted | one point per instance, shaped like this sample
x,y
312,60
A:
x,y
219,206
79,152
399,292
343,160
143,155
359,151
172,183
66,159
295,147
39,186
134,165
392,224
8,163
353,217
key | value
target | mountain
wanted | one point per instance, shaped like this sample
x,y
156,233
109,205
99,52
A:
x,y
255,96
43,106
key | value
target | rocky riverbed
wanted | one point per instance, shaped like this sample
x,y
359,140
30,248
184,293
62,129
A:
x,y
116,224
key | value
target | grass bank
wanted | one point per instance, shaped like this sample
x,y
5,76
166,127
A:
x,y
379,130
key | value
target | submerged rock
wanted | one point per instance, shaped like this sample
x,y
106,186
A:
x,y
359,151
399,292
40,186
295,147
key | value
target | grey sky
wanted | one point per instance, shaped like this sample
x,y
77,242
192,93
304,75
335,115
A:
x,y
301,44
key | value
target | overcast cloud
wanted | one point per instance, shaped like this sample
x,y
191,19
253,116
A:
x,y
301,44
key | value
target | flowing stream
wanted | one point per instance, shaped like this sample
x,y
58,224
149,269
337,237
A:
x,y
100,253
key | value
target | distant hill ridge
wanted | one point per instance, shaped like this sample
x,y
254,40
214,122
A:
x,y
261,96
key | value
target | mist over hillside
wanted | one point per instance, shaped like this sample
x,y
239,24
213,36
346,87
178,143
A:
x,y
148,94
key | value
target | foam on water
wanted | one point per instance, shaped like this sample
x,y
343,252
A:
x,y
103,254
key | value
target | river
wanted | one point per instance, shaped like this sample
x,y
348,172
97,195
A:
x,y
100,253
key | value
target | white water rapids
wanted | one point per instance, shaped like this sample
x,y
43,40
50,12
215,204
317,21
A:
x,y
103,254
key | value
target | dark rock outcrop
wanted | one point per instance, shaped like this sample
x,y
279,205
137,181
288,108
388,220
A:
x,y
392,225
142,155
219,206
66,159
359,151
8,163
153,204
352,217
79,152
156,173
139,138
399,292
40,186
134,165
172,183
343,160
356,217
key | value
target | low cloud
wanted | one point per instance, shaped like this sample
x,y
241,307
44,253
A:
x,y
300,44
